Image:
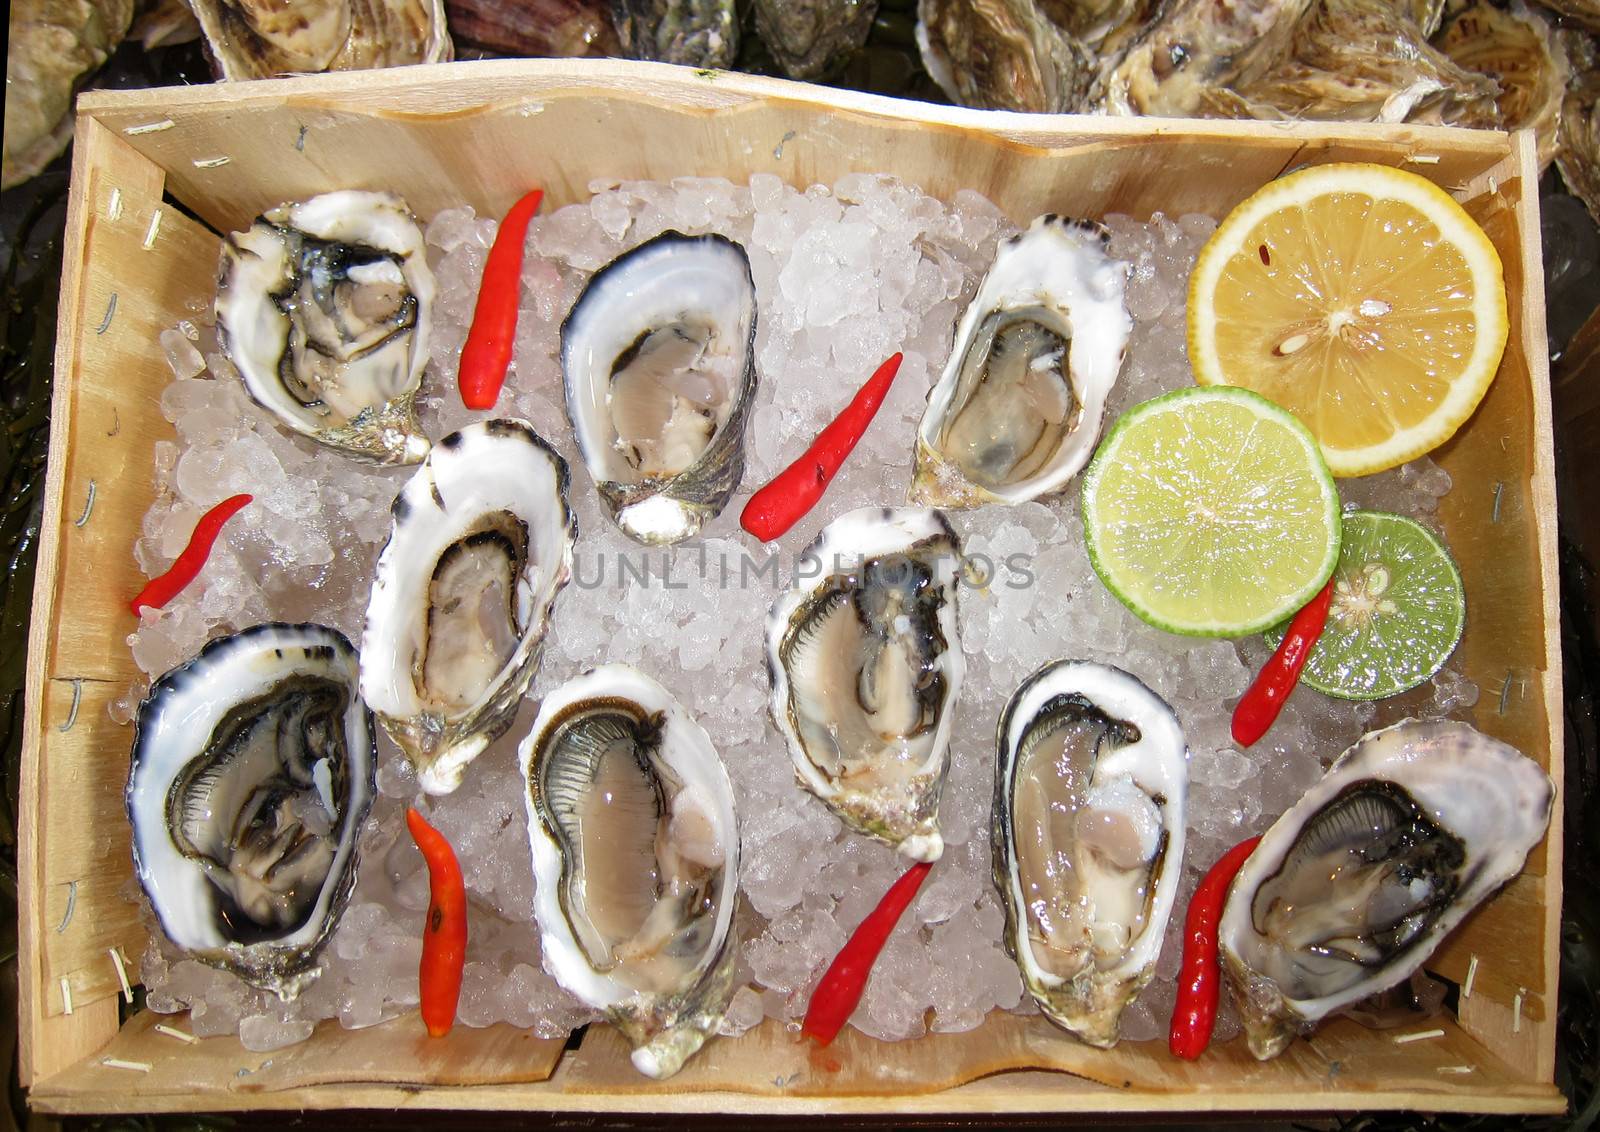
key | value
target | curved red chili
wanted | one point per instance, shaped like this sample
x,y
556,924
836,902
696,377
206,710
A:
x,y
444,937
840,990
1195,1015
796,489
1265,697
186,567
487,353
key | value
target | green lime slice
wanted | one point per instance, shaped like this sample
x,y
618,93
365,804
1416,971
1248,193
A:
x,y
1398,610
1210,512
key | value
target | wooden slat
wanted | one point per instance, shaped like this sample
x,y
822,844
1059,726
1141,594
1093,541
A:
x,y
481,133
1344,1068
230,1076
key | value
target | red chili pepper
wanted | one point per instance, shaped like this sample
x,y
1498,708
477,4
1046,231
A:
x,y
1195,1015
839,992
494,322
796,489
444,938
1265,697
164,587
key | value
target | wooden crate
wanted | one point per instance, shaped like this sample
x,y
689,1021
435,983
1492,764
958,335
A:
x,y
146,162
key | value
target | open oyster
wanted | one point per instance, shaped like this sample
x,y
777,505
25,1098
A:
x,y
659,361
1090,786
864,655
1355,885
1016,413
324,307
252,773
481,545
635,860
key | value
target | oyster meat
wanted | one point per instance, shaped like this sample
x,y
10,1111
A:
x,y
658,357
324,306
1090,788
635,860
1355,885
249,40
481,545
252,774
1016,413
864,656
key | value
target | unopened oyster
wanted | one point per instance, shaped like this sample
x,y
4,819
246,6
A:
x,y
658,355
249,40
1004,55
864,655
324,306
481,545
809,38
252,774
635,860
1355,885
1515,47
1090,787
693,33
1016,413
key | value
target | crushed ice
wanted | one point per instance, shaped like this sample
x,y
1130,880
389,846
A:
x,y
845,276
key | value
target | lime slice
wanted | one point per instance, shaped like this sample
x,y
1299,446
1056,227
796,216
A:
x,y
1398,610
1210,512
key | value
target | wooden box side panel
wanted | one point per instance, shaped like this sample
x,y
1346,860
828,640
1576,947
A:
x,y
482,133
133,266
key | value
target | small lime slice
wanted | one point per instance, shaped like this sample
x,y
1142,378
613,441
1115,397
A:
x,y
1398,610
1210,512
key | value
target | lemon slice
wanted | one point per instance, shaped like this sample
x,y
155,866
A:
x,y
1210,512
1361,298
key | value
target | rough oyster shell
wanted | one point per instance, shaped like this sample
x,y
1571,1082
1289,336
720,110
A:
x,y
252,774
658,359
1087,902
258,41
635,859
324,306
695,33
1016,412
1002,55
1516,49
809,37
865,662
463,593
1426,820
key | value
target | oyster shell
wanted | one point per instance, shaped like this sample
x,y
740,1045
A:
x,y
480,547
865,662
1579,155
1016,413
252,774
635,860
324,306
1002,55
540,28
1090,788
1515,48
257,41
658,355
1355,885
808,38
695,33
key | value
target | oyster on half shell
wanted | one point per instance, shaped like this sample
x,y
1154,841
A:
x,y
1016,413
864,656
1090,787
635,860
324,306
462,598
658,358
252,774
1357,883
